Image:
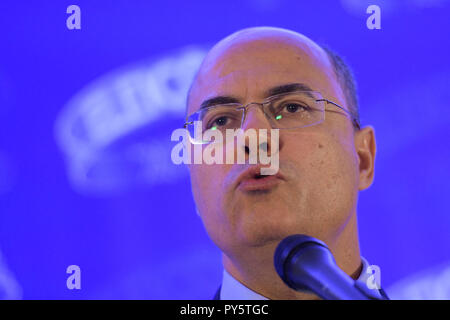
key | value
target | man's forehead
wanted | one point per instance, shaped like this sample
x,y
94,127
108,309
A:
x,y
260,59
265,36
239,82
257,52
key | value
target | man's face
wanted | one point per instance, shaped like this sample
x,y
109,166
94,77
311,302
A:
x,y
317,193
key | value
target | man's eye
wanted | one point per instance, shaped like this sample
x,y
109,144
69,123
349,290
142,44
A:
x,y
221,121
218,122
294,107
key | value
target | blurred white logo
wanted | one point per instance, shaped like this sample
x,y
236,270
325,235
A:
x,y
114,132
9,288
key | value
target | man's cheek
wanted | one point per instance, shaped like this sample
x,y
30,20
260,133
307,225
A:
x,y
209,181
198,180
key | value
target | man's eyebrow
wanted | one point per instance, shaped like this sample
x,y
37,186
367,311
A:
x,y
218,100
286,88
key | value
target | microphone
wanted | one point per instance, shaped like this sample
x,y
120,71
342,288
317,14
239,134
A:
x,y
306,264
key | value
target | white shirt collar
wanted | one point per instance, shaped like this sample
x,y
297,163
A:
x,y
232,289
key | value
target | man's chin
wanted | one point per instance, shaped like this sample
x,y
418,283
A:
x,y
260,224
254,237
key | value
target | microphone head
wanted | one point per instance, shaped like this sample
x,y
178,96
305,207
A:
x,y
287,248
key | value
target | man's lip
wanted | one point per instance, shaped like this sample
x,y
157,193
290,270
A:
x,y
252,180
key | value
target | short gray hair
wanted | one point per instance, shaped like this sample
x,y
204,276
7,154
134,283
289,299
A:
x,y
346,80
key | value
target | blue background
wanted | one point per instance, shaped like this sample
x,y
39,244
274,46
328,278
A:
x,y
112,202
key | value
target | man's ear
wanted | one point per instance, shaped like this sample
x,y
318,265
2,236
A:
x,y
365,147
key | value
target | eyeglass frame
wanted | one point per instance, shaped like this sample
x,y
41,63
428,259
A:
x,y
268,100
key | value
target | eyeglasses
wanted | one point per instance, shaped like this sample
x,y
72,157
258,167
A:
x,y
290,110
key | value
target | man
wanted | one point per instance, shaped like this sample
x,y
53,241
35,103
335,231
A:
x,y
322,165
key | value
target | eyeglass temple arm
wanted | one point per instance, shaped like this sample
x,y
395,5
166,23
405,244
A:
x,y
187,123
355,121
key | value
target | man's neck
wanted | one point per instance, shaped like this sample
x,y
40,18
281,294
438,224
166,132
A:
x,y
254,267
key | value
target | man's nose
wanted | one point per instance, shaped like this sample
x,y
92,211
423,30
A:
x,y
256,119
